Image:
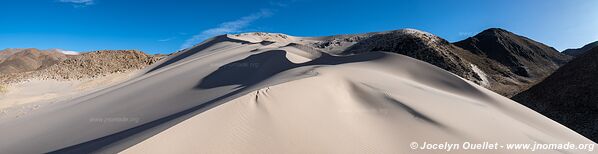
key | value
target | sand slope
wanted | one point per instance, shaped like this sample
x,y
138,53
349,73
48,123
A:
x,y
26,97
239,94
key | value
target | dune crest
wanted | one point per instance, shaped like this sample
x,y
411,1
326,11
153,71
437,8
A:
x,y
267,93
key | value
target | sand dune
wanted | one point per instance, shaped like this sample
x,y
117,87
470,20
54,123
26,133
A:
x,y
256,93
29,96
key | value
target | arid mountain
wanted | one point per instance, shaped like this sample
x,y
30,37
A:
x,y
419,45
484,66
523,56
87,65
569,95
24,60
579,51
528,61
416,44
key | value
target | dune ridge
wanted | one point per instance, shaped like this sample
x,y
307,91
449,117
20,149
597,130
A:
x,y
260,93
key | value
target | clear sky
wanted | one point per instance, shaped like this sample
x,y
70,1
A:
x,y
168,25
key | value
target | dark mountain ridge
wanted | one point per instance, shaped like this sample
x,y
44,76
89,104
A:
x,y
569,95
523,56
496,59
579,51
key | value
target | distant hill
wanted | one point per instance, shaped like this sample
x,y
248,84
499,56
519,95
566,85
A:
x,y
87,65
570,95
579,51
24,60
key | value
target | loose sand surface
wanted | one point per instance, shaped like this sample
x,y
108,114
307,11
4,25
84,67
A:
x,y
241,94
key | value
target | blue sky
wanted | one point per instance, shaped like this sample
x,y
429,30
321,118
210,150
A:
x,y
166,26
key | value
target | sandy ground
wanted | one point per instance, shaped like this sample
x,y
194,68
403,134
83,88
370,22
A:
x,y
237,94
22,98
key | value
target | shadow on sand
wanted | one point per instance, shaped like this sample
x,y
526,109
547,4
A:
x,y
245,73
202,46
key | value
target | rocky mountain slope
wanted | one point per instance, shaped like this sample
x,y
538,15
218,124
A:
x,y
569,96
523,56
579,51
419,45
527,61
484,65
86,65
23,60
413,43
